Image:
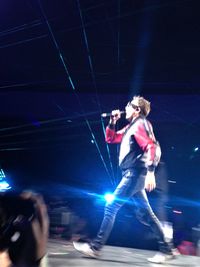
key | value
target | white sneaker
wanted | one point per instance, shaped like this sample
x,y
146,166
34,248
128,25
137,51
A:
x,y
85,249
161,258
175,252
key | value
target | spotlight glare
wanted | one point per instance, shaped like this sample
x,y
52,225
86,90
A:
x,y
2,174
4,186
109,197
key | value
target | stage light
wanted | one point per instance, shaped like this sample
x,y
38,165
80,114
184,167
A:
x,y
109,197
196,149
177,211
2,174
4,186
171,181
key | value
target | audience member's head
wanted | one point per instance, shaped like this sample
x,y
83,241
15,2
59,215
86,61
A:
x,y
24,228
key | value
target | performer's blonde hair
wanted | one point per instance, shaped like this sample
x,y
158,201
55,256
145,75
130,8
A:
x,y
143,104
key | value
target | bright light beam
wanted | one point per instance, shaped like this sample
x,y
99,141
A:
x,y
109,197
4,186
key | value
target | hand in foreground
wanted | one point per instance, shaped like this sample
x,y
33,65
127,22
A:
x,y
40,222
150,182
4,259
26,243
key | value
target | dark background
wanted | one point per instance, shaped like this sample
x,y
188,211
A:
x,y
65,62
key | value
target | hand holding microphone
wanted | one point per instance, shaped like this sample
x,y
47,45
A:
x,y
105,115
115,115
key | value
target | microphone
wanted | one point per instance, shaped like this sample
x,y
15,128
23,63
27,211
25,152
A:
x,y
105,115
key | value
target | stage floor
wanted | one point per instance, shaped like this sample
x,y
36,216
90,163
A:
x,y
62,254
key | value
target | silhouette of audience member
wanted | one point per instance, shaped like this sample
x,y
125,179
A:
x,y
24,237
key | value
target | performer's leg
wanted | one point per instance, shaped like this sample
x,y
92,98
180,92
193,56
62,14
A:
x,y
129,184
123,192
146,215
160,199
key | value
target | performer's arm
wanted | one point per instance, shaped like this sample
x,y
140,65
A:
x,y
111,135
147,142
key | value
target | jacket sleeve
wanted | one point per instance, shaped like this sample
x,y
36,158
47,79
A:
x,y
113,137
144,136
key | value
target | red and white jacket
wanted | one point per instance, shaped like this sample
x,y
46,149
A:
x,y
138,144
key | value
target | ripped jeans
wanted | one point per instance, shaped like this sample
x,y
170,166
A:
x,y
131,188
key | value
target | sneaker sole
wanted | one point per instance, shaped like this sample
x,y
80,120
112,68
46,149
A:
x,y
76,246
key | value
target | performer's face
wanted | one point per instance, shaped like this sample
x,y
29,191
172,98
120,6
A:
x,y
132,111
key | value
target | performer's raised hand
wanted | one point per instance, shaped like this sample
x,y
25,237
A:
x,y
115,116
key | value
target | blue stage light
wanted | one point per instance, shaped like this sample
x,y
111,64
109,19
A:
x,y
109,197
2,174
4,186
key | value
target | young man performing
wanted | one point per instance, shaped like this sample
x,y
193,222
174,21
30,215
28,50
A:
x,y
138,157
